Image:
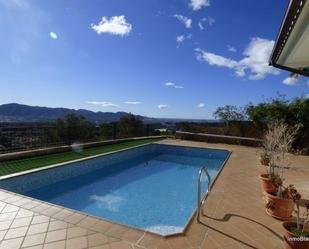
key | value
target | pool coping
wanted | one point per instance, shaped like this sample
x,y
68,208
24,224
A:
x,y
105,154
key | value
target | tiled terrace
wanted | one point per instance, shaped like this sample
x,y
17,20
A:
x,y
235,216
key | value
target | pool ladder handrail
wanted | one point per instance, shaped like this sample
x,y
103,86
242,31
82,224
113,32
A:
x,y
200,201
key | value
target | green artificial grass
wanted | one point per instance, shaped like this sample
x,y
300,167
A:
x,y
13,166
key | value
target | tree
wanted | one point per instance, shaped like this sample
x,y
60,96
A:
x,y
294,113
231,113
73,128
107,131
130,126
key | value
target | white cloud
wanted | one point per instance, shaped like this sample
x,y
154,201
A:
x,y
103,103
290,81
178,87
185,20
132,102
181,38
162,106
231,49
171,84
53,35
198,4
307,96
254,62
206,20
116,25
201,105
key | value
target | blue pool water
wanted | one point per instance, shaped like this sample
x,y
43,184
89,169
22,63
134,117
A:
x,y
152,187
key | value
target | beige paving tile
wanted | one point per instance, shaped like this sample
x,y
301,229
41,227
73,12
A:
x,y
75,218
22,213
9,208
76,243
2,234
7,216
56,225
4,225
20,222
35,247
11,243
33,240
55,245
38,228
88,222
16,232
51,211
56,235
74,232
62,214
40,219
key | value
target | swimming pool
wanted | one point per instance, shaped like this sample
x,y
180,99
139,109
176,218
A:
x,y
151,187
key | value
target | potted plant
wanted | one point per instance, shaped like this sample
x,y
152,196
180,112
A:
x,y
279,139
270,179
296,234
281,206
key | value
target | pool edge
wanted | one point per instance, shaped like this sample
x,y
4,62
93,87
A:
x,y
108,153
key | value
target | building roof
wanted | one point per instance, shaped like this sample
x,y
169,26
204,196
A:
x,y
291,50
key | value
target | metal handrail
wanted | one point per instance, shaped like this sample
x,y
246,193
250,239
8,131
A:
x,y
200,202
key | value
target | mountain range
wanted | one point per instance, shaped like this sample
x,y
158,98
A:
x,y
14,112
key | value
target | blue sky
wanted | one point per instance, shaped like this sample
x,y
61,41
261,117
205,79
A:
x,y
160,58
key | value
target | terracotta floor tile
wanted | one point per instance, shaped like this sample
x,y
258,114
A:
x,y
97,240
132,235
120,245
101,226
179,242
100,247
116,230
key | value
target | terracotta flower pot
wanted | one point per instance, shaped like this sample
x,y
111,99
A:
x,y
291,241
281,209
267,185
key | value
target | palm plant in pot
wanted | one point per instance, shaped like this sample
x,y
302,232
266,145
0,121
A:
x,y
280,203
296,234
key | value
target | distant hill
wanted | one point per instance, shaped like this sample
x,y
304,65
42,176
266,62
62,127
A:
x,y
24,113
